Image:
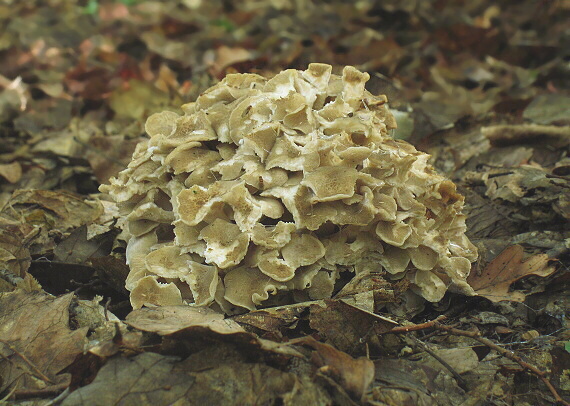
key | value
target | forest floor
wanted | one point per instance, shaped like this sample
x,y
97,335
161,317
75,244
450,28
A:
x,y
484,87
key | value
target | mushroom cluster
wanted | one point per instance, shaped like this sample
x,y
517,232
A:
x,y
269,186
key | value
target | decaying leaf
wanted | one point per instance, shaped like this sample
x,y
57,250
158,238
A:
x,y
170,319
155,379
12,172
58,210
273,319
346,327
509,266
558,137
108,155
226,56
113,271
77,248
548,108
36,342
14,253
355,375
137,100
460,359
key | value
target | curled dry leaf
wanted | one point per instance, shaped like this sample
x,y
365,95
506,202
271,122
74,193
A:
x,y
355,375
508,267
274,320
57,210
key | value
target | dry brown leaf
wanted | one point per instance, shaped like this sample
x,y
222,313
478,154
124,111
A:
x,y
55,209
501,135
508,267
12,172
78,249
355,375
36,342
348,327
154,379
272,319
462,360
226,56
14,252
108,155
113,271
170,319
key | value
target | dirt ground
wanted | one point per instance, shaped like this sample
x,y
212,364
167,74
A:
x,y
481,86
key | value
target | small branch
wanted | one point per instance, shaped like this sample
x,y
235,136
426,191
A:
x,y
39,373
436,323
453,372
46,392
508,354
416,327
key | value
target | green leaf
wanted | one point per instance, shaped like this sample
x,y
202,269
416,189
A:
x,y
92,7
224,23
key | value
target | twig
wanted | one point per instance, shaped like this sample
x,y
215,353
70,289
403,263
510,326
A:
x,y
453,372
107,303
416,327
39,373
475,335
46,392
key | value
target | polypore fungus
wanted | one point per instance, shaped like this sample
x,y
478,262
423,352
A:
x,y
269,186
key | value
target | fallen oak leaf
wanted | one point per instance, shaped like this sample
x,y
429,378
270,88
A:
x,y
509,266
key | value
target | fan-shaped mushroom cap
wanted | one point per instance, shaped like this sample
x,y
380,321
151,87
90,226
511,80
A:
x,y
264,186
248,287
303,249
272,236
203,281
226,245
137,250
167,262
322,285
429,285
188,157
331,182
149,291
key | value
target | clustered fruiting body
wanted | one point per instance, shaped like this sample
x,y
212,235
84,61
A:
x,y
270,186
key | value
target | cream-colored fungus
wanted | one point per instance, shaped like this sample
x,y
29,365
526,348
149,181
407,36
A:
x,y
271,186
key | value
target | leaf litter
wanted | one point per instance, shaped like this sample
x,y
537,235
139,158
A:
x,y
482,87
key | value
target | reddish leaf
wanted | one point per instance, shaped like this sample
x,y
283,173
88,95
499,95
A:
x,y
509,266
